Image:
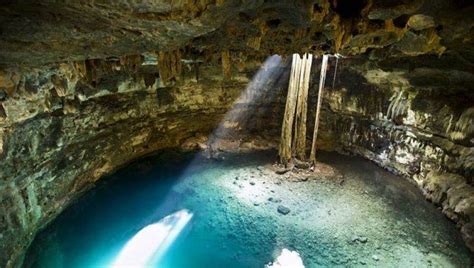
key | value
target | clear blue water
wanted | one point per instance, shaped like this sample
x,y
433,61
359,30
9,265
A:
x,y
235,222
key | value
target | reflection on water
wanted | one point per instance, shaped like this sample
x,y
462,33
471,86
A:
x,y
151,242
287,259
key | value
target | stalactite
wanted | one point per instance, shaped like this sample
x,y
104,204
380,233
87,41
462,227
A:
x,y
335,72
91,70
169,65
3,115
8,82
226,65
196,70
322,79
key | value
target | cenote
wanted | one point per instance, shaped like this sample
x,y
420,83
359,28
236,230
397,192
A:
x,y
228,133
360,216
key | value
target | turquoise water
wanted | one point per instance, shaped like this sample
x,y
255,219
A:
x,y
235,222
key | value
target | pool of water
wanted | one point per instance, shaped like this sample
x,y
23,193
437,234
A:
x,y
188,211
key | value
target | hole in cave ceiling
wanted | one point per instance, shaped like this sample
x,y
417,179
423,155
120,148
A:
x,y
273,23
317,8
348,9
464,3
401,21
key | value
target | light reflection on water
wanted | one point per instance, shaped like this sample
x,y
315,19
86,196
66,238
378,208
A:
x,y
150,243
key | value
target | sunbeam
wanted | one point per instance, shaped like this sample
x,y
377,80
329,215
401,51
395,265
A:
x,y
259,87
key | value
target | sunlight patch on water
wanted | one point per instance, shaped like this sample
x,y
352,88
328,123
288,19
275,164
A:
x,y
150,243
287,259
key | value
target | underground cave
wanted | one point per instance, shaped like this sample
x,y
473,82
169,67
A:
x,y
232,133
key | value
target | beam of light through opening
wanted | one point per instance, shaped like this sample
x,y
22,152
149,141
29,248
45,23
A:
x,y
287,259
261,86
150,243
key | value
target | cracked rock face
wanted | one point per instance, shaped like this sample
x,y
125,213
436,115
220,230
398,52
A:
x,y
87,86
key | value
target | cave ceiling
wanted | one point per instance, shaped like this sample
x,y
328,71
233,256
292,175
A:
x,y
34,33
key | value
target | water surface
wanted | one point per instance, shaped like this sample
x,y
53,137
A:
x,y
373,218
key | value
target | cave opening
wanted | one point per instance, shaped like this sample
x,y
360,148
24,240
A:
x,y
237,134
348,9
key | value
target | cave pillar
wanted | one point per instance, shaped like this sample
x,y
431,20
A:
x,y
226,65
169,66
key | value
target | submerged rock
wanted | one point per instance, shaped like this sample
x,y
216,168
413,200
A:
x,y
361,239
283,210
274,200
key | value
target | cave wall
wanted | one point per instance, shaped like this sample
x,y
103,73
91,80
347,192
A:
x,y
414,117
64,126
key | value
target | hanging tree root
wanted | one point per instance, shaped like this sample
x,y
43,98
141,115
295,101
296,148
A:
x,y
293,137
292,150
322,79
285,151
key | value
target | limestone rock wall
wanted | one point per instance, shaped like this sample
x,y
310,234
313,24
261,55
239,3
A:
x,y
412,122
63,127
